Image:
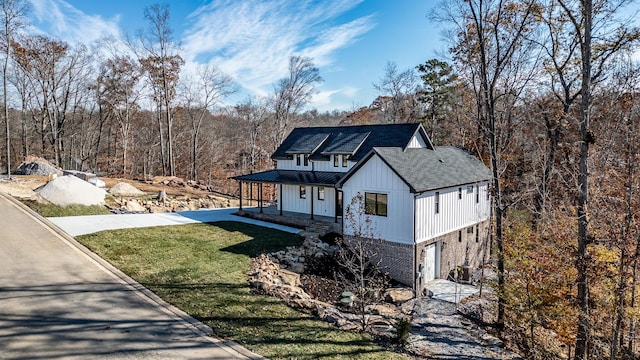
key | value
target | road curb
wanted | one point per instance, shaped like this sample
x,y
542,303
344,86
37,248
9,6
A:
x,y
147,295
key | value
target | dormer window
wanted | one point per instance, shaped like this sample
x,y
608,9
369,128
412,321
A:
x,y
335,160
344,160
298,159
306,160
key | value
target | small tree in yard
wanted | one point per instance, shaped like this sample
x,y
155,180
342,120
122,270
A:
x,y
358,258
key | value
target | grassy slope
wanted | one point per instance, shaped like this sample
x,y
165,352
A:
x,y
50,210
202,270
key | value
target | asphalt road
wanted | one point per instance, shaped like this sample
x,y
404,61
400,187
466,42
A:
x,y
60,301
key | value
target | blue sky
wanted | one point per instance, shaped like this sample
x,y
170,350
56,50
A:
x,y
351,41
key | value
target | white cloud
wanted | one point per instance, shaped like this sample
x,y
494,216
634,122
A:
x,y
68,23
252,41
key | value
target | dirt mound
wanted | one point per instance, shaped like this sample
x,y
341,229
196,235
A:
x,y
125,189
68,190
37,166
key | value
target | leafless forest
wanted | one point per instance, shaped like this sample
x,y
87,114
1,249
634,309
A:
x,y
546,92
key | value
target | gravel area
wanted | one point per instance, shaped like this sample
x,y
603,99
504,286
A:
x,y
439,332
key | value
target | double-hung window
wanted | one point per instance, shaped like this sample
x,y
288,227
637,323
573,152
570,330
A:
x,y
344,160
321,193
303,192
375,204
335,160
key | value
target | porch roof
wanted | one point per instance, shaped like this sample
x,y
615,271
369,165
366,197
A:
x,y
294,177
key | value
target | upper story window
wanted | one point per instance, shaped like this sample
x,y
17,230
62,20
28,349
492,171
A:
x,y
302,159
437,202
321,193
470,189
335,160
344,160
375,204
459,193
477,194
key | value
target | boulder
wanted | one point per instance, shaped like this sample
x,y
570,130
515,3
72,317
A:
x,y
398,295
125,189
383,310
297,267
289,277
134,206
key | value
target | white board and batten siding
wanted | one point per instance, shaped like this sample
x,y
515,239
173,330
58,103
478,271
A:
x,y
291,165
417,142
375,176
314,165
454,213
291,200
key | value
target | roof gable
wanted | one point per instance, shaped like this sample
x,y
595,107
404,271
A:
x,y
424,169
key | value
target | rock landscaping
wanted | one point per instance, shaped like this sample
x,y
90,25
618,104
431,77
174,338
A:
x,y
37,166
436,329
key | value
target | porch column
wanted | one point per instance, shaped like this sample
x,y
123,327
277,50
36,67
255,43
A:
x,y
280,198
240,183
335,205
260,197
311,202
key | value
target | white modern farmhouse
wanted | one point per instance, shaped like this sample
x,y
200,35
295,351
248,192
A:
x,y
430,205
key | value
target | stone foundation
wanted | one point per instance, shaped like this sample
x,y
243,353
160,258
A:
x,y
459,248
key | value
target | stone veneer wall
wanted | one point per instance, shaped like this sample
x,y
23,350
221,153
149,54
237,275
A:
x,y
395,259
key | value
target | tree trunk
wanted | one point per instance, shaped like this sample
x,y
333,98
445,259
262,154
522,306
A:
x,y
582,266
6,103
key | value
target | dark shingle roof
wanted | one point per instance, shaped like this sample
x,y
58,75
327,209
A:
x,y
307,143
424,169
294,177
356,141
345,143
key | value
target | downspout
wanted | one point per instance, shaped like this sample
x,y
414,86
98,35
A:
x,y
415,250
240,182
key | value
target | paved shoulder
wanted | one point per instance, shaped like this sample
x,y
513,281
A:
x,y
58,300
80,225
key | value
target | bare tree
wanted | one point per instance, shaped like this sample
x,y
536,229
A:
x,y
292,93
162,64
13,15
358,257
118,80
490,45
400,88
253,114
198,97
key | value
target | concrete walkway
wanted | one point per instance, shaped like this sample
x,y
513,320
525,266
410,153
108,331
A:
x,y
80,225
450,291
60,301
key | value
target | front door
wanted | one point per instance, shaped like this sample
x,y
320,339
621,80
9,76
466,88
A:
x,y
429,265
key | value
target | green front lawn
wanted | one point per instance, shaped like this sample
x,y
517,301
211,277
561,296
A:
x,y
202,269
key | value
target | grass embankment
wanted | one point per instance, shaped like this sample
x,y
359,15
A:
x,y
51,210
202,269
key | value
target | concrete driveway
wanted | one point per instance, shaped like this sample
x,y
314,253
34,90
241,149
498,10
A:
x,y
60,301
80,225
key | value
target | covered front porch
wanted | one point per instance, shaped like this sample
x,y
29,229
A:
x,y
299,194
272,214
